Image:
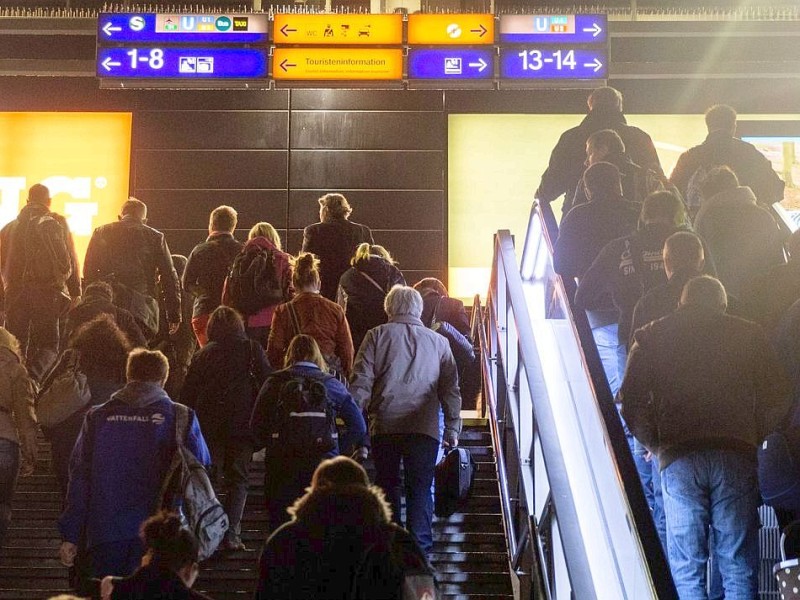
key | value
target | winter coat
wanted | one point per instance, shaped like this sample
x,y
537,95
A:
x,y
567,161
17,417
119,464
318,553
94,303
700,380
361,298
720,148
263,318
339,400
334,242
208,265
321,319
444,308
221,386
404,375
742,237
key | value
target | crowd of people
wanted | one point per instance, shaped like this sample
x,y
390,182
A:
x,y
258,348
694,308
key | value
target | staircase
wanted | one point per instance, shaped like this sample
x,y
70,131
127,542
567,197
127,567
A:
x,y
469,550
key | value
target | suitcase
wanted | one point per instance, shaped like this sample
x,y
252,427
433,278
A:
x,y
453,481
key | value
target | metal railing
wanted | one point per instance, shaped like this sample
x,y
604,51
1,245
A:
x,y
576,520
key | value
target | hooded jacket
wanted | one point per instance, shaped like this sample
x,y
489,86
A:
x,y
361,298
743,238
119,463
95,302
263,318
318,553
567,161
17,419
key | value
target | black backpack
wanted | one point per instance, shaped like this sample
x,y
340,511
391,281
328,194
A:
x,y
303,424
253,282
48,261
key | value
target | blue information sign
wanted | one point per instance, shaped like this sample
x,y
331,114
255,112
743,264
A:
x,y
181,63
553,29
138,28
455,63
549,62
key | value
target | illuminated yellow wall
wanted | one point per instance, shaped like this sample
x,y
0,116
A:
x,y
495,164
84,158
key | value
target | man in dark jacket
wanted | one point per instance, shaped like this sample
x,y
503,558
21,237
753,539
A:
x,y
208,266
41,279
134,258
637,182
584,232
568,157
118,467
629,266
334,240
743,239
701,391
722,148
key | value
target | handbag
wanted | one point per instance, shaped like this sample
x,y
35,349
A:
x,y
67,393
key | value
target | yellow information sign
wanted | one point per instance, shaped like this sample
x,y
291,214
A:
x,y
339,30
451,30
337,64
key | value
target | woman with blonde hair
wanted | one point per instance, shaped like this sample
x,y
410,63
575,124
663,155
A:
x,y
17,424
364,286
309,313
334,239
288,469
262,238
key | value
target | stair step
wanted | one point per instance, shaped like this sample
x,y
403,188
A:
x,y
37,593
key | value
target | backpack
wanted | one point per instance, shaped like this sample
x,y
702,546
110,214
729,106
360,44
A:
x,y
453,480
48,261
187,484
779,469
393,568
253,282
67,393
303,424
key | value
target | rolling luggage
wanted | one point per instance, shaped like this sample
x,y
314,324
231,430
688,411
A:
x,y
453,481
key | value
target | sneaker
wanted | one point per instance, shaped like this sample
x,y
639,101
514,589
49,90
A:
x,y
232,545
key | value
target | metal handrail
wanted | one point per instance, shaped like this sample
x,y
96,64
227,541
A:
x,y
527,447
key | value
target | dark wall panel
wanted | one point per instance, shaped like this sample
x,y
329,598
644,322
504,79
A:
x,y
367,169
379,209
258,130
191,208
348,100
205,169
369,130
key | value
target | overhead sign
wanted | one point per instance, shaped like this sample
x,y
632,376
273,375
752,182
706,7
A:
x,y
339,29
549,62
182,63
450,63
182,28
337,64
554,29
451,30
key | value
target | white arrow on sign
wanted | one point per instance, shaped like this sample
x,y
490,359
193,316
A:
x,y
480,65
596,64
595,29
108,63
108,28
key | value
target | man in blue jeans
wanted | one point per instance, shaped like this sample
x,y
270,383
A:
x,y
404,375
701,390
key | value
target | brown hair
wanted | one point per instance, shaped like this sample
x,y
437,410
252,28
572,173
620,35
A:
x,y
223,323
306,270
336,206
223,218
147,365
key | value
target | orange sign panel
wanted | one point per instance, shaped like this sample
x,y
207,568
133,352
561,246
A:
x,y
337,64
339,30
83,158
451,30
